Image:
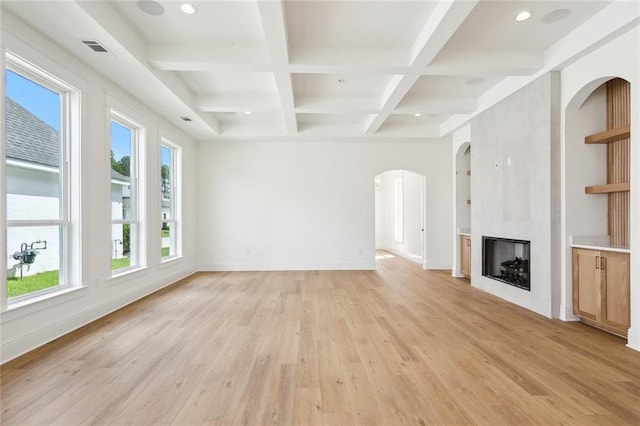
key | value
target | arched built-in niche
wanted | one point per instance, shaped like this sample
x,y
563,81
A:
x,y
596,204
462,209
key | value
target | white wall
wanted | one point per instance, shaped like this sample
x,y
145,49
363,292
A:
x,y
26,327
618,58
310,205
411,245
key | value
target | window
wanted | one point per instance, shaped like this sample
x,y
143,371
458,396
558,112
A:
x,y
398,210
42,193
126,196
169,200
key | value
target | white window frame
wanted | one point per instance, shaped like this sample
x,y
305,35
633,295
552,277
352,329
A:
x,y
69,170
175,188
137,240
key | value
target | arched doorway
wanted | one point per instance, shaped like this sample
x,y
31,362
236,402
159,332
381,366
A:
x,y
400,214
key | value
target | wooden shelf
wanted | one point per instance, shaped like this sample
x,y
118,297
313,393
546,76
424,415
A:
x,y
611,135
606,189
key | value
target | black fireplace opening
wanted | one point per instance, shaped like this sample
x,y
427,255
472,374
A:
x,y
507,260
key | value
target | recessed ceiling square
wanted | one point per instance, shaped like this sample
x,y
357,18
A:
x,y
221,22
492,25
215,82
355,24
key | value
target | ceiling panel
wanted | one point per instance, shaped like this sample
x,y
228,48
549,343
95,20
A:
x,y
221,22
453,86
332,119
355,24
339,85
492,25
212,82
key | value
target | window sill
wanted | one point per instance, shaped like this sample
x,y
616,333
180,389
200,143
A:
x,y
170,259
31,305
125,275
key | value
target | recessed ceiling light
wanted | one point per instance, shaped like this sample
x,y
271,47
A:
x,y
555,16
417,114
188,8
523,16
150,7
247,112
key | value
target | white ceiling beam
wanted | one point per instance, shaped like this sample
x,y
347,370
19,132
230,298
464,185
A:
x,y
274,26
485,63
446,17
237,102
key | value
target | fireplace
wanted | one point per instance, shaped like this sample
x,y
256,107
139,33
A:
x,y
507,260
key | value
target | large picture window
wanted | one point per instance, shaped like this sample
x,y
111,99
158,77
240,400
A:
x,y
169,199
40,112
126,139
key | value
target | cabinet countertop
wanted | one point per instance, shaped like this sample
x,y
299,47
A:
x,y
602,247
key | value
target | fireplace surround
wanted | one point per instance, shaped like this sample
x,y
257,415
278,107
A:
x,y
507,260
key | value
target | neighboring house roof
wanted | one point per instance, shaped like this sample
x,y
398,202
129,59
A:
x,y
31,140
118,176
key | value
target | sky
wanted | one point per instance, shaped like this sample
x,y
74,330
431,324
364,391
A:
x,y
41,102
120,140
45,104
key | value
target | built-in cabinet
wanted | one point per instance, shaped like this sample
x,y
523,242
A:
x,y
601,289
465,255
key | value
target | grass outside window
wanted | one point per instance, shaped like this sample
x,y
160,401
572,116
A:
x,y
43,280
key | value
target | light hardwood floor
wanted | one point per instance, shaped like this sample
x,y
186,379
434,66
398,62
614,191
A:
x,y
395,346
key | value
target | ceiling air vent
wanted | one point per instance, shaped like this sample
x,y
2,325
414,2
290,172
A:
x,y
95,46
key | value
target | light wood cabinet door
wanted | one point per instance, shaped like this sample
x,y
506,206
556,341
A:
x,y
465,255
587,292
615,270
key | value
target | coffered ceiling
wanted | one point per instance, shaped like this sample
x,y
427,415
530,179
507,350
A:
x,y
330,69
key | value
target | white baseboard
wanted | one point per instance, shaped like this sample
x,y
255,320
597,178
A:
x,y
20,345
633,338
286,266
566,313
